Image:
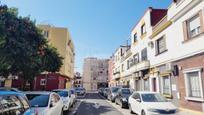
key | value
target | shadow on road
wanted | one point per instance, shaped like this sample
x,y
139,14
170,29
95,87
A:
x,y
87,108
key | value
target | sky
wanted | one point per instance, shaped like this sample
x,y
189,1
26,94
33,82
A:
x,y
97,27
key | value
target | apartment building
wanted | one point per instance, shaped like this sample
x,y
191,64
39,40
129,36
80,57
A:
x,y
60,38
110,71
167,54
95,73
117,66
78,80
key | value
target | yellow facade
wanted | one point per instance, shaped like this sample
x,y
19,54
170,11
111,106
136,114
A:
x,y
60,38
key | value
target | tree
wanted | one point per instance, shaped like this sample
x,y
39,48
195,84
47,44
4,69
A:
x,y
23,50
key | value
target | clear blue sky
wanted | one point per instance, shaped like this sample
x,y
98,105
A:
x,y
97,27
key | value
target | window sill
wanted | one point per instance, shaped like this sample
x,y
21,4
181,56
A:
x,y
193,38
143,35
194,99
168,96
162,52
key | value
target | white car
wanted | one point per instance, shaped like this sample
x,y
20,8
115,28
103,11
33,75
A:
x,y
45,103
150,103
73,95
65,94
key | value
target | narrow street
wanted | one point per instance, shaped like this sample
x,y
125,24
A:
x,y
93,104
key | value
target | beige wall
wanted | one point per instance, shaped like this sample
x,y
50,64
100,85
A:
x,y
60,38
94,71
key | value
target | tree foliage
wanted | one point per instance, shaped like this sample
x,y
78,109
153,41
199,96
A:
x,y
23,49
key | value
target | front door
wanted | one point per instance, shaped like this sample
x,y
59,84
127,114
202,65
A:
x,y
154,84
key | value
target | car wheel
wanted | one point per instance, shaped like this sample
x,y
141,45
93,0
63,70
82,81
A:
x,y
130,108
143,112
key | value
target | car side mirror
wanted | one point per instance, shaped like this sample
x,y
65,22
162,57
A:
x,y
138,100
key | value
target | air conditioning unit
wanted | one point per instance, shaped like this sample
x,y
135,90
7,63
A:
x,y
151,44
169,66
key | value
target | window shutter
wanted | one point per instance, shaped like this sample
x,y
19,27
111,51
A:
x,y
156,47
201,21
185,30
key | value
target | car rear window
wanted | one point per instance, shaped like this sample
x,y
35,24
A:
x,y
126,91
11,105
62,93
153,98
38,100
114,89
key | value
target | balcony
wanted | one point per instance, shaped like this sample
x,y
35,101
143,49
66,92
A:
x,y
143,65
116,75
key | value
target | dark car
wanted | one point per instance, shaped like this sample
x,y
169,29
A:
x,y
122,97
112,93
14,103
105,92
100,91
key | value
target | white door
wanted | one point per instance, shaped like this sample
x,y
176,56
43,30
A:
x,y
136,103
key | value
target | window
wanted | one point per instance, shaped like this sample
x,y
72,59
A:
x,y
193,26
177,1
128,64
143,29
146,84
135,38
193,84
43,82
166,87
160,45
136,96
144,54
46,34
136,58
122,67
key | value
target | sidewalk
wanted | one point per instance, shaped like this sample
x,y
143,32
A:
x,y
183,111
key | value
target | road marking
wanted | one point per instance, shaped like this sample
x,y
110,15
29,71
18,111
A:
x,y
96,105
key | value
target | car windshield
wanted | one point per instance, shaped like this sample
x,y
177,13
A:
x,y
126,91
62,93
153,98
38,100
79,89
114,89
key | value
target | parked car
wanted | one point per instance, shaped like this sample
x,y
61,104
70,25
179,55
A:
x,y
100,91
66,98
122,97
45,103
10,89
14,103
112,93
148,103
80,91
73,95
105,92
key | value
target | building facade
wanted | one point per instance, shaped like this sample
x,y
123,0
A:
x,y
110,71
95,73
78,80
60,38
167,55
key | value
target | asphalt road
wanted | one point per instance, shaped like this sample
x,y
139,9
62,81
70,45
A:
x,y
93,104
